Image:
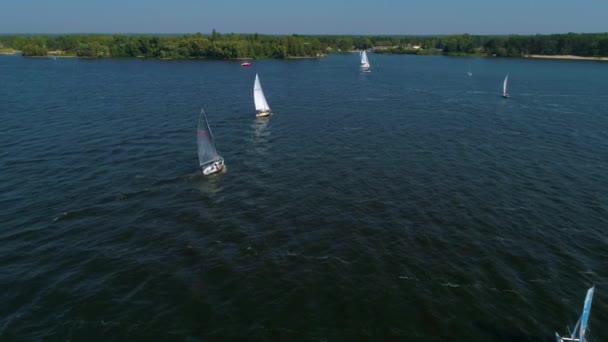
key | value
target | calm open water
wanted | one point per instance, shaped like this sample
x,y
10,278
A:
x,y
412,201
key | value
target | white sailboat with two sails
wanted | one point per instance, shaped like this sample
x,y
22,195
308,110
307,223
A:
x,y
365,62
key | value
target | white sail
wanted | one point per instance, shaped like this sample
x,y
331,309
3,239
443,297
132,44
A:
x,y
504,86
207,153
258,96
364,60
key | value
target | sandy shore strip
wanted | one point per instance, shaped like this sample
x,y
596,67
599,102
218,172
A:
x,y
570,57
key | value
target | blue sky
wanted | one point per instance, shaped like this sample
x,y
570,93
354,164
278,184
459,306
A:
x,y
304,16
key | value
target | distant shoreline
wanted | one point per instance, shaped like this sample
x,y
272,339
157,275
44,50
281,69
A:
x,y
567,57
555,57
306,57
243,46
159,58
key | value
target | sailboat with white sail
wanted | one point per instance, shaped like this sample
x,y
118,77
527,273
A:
x,y
504,87
208,158
261,105
470,73
578,334
364,61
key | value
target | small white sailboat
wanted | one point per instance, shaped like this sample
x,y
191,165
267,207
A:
x,y
469,72
504,87
578,334
364,61
208,158
261,105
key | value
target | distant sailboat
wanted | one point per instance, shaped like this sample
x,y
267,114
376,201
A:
x,y
469,72
209,160
578,334
504,87
364,61
261,105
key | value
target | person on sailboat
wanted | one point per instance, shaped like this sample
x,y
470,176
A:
x,y
218,165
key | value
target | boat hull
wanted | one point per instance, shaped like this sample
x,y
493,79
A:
x,y
565,339
263,114
213,168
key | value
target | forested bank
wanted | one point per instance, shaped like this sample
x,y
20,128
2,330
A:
x,y
230,46
213,46
579,44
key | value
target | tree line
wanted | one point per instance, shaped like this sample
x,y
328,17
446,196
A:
x,y
579,44
230,46
215,45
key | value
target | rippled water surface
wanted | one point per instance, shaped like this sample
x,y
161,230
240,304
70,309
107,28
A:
x,y
412,201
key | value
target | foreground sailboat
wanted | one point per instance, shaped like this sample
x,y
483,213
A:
x,y
261,105
209,160
364,61
578,334
504,87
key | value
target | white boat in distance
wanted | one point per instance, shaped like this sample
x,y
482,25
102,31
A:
x,y
208,158
364,61
578,334
261,105
504,87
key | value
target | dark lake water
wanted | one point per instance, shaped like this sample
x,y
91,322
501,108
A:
x,y
412,202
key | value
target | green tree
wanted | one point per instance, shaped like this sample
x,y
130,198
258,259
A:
x,y
31,50
345,44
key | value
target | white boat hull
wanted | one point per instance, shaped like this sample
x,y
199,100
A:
x,y
565,339
214,168
263,114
